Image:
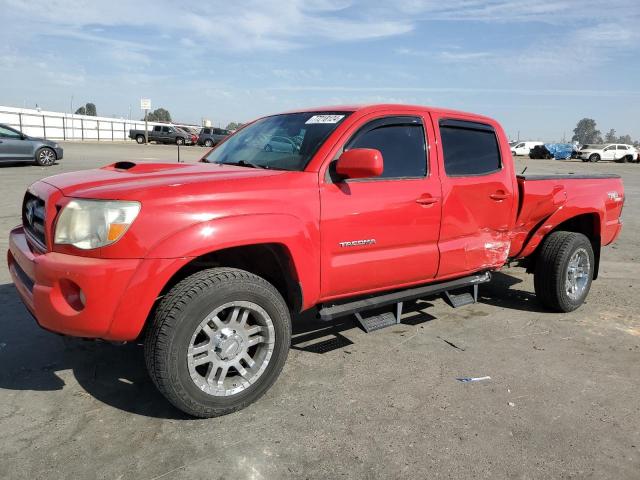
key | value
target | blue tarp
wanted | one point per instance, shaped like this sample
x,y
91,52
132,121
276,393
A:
x,y
560,151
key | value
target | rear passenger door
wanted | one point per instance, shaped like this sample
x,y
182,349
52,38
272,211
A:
x,y
13,146
478,200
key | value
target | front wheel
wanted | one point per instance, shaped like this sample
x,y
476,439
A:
x,y
564,271
45,157
218,341
208,143
594,158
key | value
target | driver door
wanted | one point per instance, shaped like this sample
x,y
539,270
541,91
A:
x,y
609,153
382,232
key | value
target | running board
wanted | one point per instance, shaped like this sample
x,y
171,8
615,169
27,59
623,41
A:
x,y
457,300
327,313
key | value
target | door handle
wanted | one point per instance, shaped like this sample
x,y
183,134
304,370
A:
x,y
498,196
427,200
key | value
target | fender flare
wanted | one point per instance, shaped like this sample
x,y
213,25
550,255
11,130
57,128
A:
x,y
561,215
286,230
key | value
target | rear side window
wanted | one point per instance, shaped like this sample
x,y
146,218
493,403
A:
x,y
621,147
400,140
469,148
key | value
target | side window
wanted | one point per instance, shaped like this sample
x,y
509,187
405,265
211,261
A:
x,y
520,145
612,147
469,148
621,147
7,133
400,140
157,128
165,129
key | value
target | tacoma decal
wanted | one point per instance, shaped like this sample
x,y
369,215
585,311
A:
x,y
357,243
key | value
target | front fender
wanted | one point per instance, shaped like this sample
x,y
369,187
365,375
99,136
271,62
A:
x,y
300,239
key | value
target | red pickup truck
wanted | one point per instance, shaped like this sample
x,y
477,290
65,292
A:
x,y
342,209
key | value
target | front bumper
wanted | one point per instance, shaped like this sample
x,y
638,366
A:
x,y
59,153
68,294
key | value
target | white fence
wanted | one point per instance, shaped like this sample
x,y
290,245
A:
x,y
66,126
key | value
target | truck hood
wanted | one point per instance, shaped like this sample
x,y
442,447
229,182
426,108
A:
x,y
130,180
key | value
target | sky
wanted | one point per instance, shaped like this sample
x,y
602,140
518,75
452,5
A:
x,y
536,66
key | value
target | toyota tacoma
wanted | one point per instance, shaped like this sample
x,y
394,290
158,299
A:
x,y
208,263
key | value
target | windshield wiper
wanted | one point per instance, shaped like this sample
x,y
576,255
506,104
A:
x,y
244,163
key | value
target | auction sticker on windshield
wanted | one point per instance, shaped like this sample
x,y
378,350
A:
x,y
325,119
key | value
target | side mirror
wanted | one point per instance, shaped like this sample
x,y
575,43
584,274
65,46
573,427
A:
x,y
360,163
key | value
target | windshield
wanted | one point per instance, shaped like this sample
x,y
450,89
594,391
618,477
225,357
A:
x,y
281,142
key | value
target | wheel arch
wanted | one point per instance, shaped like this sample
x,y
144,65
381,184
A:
x,y
589,224
271,261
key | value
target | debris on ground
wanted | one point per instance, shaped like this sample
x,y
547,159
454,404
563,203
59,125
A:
x,y
472,379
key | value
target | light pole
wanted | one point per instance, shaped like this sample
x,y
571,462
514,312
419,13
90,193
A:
x,y
73,133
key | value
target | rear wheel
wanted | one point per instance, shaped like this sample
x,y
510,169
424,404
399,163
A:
x,y
564,271
594,158
140,139
218,341
180,141
45,157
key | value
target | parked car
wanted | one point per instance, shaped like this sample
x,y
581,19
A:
x,y
523,148
210,136
611,151
192,133
15,146
205,263
162,134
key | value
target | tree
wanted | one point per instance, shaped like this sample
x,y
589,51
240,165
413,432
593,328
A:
x,y
610,137
88,109
233,125
91,109
626,139
159,115
586,132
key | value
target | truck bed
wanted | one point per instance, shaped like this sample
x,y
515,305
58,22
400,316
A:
x,y
545,200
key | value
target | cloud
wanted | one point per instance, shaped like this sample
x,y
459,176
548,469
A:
x,y
257,24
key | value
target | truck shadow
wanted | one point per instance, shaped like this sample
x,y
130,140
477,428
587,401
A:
x,y
35,360
500,292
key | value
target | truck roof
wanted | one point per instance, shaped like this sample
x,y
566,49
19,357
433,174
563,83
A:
x,y
374,107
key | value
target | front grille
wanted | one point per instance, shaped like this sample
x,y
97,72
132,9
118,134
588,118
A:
x,y
33,213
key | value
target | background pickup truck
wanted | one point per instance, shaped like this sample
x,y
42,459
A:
x,y
370,207
162,134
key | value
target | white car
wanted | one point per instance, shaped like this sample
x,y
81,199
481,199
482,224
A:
x,y
523,148
610,151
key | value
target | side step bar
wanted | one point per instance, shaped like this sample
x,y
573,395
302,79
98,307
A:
x,y
335,311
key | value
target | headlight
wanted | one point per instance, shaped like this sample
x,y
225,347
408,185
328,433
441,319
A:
x,y
88,224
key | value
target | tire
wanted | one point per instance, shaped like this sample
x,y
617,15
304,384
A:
x,y
45,157
555,268
594,158
208,143
140,139
179,141
182,317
